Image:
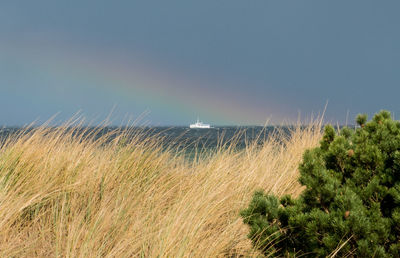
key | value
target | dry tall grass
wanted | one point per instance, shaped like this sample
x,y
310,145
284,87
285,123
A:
x,y
66,194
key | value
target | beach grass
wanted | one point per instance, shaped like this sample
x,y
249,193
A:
x,y
65,192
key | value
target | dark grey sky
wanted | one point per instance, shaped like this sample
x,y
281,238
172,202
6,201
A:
x,y
230,62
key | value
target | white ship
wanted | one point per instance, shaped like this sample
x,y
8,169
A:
x,y
199,125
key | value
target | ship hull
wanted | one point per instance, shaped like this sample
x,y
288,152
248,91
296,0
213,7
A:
x,y
200,126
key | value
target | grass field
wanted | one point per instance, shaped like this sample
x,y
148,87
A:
x,y
69,195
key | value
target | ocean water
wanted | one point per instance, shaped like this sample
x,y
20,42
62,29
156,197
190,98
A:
x,y
180,137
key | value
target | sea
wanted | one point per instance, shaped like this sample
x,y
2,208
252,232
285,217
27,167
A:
x,y
179,138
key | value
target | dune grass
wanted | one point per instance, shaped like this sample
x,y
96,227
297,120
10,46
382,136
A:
x,y
66,193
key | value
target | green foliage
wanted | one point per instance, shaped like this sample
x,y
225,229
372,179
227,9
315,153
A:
x,y
351,203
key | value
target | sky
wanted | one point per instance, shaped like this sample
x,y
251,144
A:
x,y
230,62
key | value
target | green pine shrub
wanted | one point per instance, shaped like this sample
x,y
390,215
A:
x,y
351,202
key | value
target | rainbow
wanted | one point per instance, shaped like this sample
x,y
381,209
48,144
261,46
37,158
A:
x,y
136,81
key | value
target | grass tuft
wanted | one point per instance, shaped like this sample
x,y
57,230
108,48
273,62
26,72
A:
x,y
65,192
